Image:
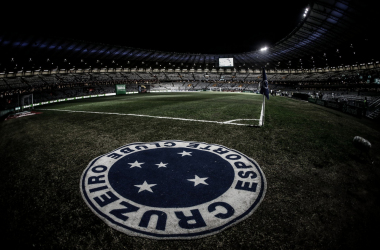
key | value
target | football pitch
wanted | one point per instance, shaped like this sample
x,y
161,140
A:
x,y
220,108
321,191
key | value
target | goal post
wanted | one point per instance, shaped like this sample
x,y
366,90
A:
x,y
26,101
219,89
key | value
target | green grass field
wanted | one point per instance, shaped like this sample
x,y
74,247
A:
x,y
205,106
322,193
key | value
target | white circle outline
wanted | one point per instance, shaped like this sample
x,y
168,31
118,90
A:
x,y
196,233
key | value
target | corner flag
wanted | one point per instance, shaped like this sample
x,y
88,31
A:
x,y
264,85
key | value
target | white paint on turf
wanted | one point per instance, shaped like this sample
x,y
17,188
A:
x,y
231,122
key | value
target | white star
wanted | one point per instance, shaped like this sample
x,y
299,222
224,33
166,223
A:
x,y
136,164
185,153
198,180
161,165
145,186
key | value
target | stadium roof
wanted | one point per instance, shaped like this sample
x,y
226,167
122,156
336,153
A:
x,y
331,34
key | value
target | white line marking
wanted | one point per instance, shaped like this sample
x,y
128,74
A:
x,y
242,120
150,116
261,115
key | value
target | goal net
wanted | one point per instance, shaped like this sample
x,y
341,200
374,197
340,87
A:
x,y
219,89
26,102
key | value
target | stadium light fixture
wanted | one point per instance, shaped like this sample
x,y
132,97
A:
x,y
263,49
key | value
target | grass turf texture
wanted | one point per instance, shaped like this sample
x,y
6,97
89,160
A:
x,y
201,106
322,193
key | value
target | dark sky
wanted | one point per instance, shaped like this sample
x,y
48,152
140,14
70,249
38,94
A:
x,y
194,27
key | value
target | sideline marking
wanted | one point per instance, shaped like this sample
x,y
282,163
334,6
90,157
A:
x,y
242,120
163,117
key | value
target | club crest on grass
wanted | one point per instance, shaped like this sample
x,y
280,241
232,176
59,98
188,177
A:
x,y
172,189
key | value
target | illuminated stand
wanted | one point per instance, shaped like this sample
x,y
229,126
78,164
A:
x,y
223,63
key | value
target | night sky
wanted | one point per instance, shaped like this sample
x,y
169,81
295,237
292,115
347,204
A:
x,y
186,27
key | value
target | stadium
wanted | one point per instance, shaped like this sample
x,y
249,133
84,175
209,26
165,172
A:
x,y
74,92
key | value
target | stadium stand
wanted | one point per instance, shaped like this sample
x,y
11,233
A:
x,y
309,61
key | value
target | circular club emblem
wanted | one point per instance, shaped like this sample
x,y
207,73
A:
x,y
172,189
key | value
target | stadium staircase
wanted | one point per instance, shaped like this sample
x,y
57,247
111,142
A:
x,y
45,83
109,76
138,75
125,76
166,77
194,86
25,81
192,74
154,76
374,115
247,76
6,83
373,112
180,76
59,79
